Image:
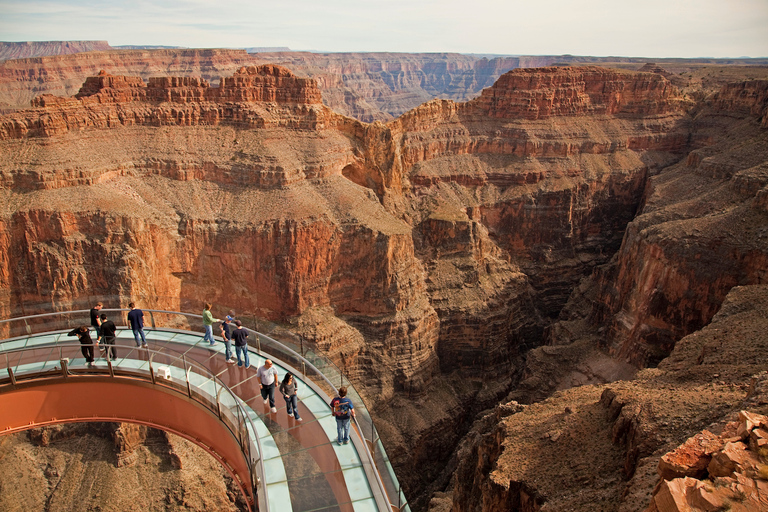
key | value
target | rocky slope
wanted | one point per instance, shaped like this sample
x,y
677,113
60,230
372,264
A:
x,y
600,447
425,256
76,467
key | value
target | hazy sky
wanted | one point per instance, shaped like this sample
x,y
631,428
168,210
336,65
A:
x,y
638,28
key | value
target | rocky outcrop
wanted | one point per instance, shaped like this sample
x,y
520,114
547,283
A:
x,y
543,92
107,101
725,472
750,97
84,465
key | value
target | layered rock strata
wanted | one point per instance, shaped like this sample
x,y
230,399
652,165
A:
x,y
367,86
701,232
604,447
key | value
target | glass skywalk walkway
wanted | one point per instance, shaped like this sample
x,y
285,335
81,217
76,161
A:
x,y
298,466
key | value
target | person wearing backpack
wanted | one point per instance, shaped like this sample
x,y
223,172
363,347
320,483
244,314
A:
x,y
344,410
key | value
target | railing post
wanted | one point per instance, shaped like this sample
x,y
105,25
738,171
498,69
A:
x,y
11,375
186,375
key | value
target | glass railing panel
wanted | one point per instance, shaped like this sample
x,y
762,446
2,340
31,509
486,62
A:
x,y
368,505
357,483
279,497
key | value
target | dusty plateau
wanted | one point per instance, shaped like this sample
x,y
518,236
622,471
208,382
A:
x,y
540,288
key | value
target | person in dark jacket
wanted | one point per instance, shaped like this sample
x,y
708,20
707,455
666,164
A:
x,y
136,321
108,330
84,334
95,319
290,390
240,337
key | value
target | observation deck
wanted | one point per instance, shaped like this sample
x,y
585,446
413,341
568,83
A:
x,y
183,385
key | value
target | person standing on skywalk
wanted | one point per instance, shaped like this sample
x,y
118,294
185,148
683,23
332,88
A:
x,y
267,376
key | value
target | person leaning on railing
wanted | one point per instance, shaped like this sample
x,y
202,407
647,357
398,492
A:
x,y
84,335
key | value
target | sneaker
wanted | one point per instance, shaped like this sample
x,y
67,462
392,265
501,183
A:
x,y
239,364
144,345
266,401
346,442
247,366
231,361
213,344
298,419
274,409
290,414
340,443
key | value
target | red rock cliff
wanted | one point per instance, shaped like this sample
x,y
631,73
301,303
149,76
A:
x,y
700,233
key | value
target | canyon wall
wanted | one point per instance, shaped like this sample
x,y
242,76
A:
x,y
702,231
426,256
603,447
27,49
366,86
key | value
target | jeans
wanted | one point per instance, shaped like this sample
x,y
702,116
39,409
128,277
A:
x,y
342,429
244,351
139,332
227,349
268,390
209,334
292,404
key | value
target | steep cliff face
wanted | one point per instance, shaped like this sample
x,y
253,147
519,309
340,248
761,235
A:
x,y
555,189
240,201
601,447
701,232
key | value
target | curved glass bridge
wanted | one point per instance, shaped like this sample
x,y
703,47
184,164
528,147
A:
x,y
182,385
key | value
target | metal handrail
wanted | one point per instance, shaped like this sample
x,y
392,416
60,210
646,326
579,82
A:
x,y
213,406
282,347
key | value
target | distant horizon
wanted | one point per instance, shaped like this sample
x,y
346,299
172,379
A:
x,y
652,29
270,49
